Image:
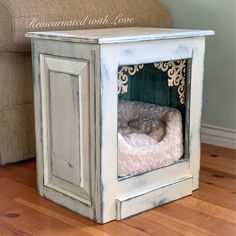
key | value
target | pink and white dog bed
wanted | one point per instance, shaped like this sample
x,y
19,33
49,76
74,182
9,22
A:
x,y
149,137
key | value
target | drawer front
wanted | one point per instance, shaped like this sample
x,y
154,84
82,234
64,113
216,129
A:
x,y
65,118
153,197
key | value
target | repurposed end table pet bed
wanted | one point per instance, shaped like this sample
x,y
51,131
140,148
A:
x,y
117,114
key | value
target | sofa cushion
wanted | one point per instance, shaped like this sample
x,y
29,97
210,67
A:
x,y
17,133
15,79
18,17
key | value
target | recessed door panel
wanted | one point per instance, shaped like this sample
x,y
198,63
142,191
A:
x,y
64,128
65,113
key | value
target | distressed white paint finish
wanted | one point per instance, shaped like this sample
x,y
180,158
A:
x,y
130,53
196,91
153,197
109,197
65,115
74,68
119,35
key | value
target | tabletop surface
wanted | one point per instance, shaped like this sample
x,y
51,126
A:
x,y
118,35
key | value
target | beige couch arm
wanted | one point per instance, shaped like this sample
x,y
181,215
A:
x,y
18,17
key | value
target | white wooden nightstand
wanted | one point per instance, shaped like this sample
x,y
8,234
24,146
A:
x,y
75,95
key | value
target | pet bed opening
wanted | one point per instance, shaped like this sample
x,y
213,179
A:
x,y
149,137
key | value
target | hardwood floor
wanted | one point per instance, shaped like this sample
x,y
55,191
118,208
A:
x,y
209,211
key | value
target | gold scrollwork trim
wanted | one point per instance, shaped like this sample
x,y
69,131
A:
x,y
123,77
176,71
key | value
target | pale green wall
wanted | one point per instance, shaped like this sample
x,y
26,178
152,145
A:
x,y
219,100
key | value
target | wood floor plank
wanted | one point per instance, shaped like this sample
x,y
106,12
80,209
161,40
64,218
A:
x,y
153,227
227,153
9,230
208,209
223,165
120,228
216,179
21,175
113,228
176,224
30,199
17,217
87,229
205,224
216,195
36,219
209,148
215,151
220,163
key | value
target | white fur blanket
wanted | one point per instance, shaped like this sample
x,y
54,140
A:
x,y
149,137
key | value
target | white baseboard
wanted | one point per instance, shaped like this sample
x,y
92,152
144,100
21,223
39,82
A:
x,y
219,136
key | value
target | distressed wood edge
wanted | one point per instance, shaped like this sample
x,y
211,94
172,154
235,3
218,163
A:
x,y
122,203
106,39
93,211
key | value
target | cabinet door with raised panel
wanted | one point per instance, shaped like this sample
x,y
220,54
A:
x,y
65,125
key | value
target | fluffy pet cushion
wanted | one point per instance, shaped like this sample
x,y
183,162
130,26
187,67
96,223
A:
x,y
149,137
